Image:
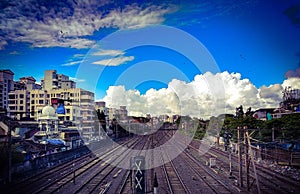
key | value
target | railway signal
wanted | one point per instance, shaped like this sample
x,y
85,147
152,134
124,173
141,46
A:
x,y
139,174
227,136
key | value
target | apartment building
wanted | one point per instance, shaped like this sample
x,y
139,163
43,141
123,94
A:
x,y
27,83
52,80
78,103
121,113
29,99
6,85
19,104
100,105
19,98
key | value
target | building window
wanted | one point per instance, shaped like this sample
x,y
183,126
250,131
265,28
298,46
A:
x,y
41,101
68,111
67,118
21,95
32,101
21,102
41,95
32,95
21,108
11,96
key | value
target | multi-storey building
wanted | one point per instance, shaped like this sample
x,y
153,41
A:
x,y
111,113
100,105
29,100
27,83
78,103
19,104
121,113
52,80
6,85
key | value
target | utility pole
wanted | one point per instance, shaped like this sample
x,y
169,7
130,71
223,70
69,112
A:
x,y
9,150
240,162
253,164
246,158
73,173
230,164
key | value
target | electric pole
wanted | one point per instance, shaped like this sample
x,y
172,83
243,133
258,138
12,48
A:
x,y
246,158
240,158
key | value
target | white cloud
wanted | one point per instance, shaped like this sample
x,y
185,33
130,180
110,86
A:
x,y
71,63
70,23
108,53
133,17
76,79
294,82
272,91
195,98
114,61
80,56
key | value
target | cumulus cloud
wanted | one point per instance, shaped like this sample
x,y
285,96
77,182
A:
x,y
271,92
294,82
114,61
70,23
196,98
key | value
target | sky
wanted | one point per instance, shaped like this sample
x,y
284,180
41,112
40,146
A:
x,y
196,58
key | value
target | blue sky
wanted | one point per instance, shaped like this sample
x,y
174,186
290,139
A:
x,y
258,39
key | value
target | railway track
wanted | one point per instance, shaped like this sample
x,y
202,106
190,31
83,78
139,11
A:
x,y
269,180
90,178
174,181
204,180
126,184
54,177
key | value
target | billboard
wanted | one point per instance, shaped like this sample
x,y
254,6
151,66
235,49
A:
x,y
58,105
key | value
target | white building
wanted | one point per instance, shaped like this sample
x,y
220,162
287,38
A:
x,y
19,104
78,103
52,80
6,86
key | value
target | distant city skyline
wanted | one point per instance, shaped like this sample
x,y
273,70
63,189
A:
x,y
256,45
